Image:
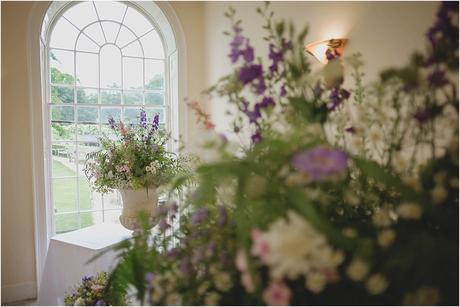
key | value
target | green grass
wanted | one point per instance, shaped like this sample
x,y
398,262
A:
x,y
65,199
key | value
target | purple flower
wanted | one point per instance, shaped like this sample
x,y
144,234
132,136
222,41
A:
x,y
211,249
86,278
222,220
172,253
260,86
174,207
283,91
256,138
320,163
163,225
248,54
156,122
143,119
437,79
112,123
250,73
422,116
199,216
234,55
184,266
350,130
276,57
317,90
336,97
100,303
330,55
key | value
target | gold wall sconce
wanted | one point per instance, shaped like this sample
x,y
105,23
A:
x,y
326,50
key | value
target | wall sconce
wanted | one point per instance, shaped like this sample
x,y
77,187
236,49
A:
x,y
323,51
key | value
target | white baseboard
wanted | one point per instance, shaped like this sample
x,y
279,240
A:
x,y
19,292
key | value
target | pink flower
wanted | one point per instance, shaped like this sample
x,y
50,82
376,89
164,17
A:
x,y
277,294
122,129
260,246
247,282
241,262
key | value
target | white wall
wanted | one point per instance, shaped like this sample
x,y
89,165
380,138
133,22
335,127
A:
x,y
386,33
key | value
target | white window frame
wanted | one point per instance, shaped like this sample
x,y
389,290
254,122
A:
x,y
42,19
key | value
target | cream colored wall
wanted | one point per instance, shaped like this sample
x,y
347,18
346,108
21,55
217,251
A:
x,y
384,32
18,258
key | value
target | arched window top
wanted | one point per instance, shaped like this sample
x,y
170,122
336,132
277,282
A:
x,y
88,26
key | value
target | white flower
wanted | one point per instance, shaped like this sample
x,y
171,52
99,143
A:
x,y
439,194
211,299
399,162
315,282
296,248
79,302
386,238
382,218
349,232
203,288
375,134
357,270
356,144
223,281
409,211
376,284
157,294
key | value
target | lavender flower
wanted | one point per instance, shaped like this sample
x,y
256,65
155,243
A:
x,y
256,138
320,163
163,225
248,54
100,303
250,73
143,119
276,57
112,123
422,116
222,220
199,216
336,97
283,91
156,122
437,79
317,90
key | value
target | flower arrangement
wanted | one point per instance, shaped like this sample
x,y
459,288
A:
x,y
134,157
90,292
342,196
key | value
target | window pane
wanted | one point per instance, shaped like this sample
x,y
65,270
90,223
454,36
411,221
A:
x,y
86,44
89,200
66,222
153,47
87,69
110,30
61,67
62,113
90,218
131,115
86,95
64,35
132,73
62,94
110,10
154,74
87,133
106,113
81,14
63,154
154,98
84,148
107,131
62,132
151,113
110,67
87,114
65,195
132,97
137,22
125,37
110,97
133,49
112,200
112,216
95,32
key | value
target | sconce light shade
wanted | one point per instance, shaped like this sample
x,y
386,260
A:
x,y
320,50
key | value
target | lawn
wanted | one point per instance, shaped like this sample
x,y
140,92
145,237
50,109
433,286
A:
x,y
65,199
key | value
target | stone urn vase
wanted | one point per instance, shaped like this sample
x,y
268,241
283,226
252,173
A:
x,y
136,201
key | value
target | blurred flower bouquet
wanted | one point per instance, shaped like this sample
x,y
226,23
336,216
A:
x,y
342,196
89,292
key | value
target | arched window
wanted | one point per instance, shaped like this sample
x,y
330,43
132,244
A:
x,y
100,60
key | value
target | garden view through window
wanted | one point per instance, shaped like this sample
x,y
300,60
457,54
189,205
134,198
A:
x,y
106,59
